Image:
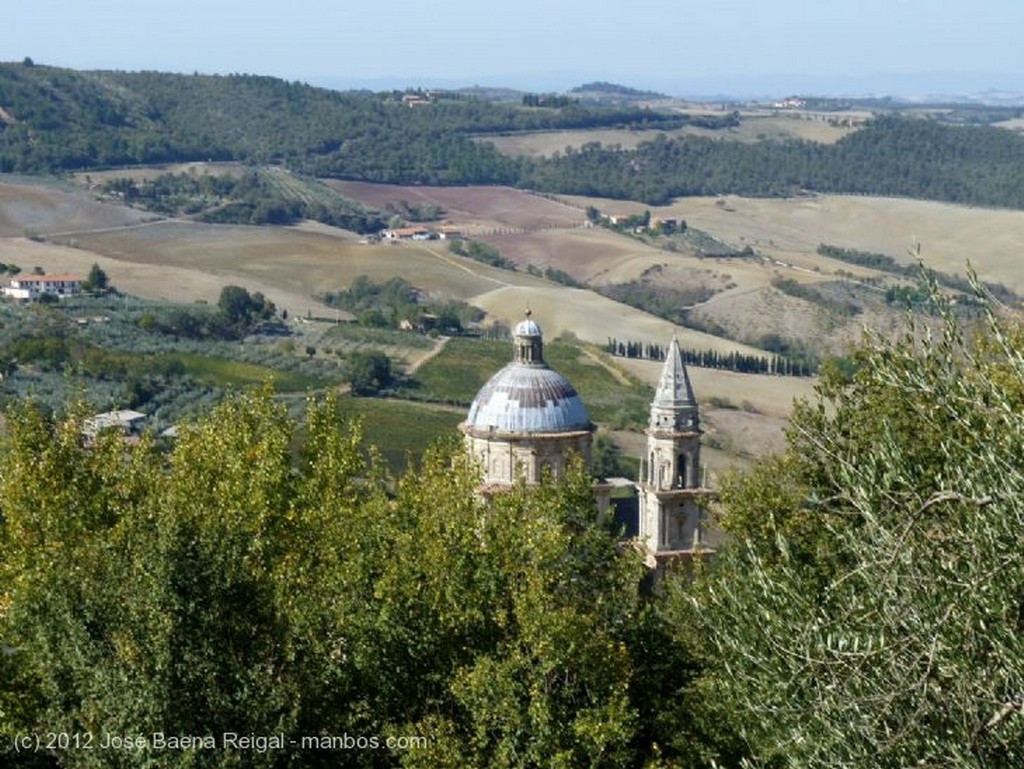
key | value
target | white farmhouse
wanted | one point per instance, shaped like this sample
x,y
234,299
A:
x,y
33,286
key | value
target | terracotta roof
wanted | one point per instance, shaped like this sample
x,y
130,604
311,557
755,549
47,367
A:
x,y
46,278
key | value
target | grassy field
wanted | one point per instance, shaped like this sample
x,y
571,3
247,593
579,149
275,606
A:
x,y
400,429
233,374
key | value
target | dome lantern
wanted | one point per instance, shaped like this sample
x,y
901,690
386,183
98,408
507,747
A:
x,y
529,342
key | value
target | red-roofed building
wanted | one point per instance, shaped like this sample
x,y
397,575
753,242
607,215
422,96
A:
x,y
33,286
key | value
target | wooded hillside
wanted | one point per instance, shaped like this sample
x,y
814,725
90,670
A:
x,y
58,120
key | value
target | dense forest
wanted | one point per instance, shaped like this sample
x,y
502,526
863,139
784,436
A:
x,y
264,594
59,120
893,156
68,120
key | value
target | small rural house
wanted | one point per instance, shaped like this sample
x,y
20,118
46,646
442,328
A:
x,y
408,233
33,286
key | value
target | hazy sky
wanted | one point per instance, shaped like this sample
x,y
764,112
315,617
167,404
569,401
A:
x,y
535,43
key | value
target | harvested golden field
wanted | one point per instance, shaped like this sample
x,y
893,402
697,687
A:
x,y
547,143
743,415
301,262
949,235
585,253
155,281
44,208
752,128
480,209
188,261
791,229
592,317
769,395
824,128
148,173
1016,124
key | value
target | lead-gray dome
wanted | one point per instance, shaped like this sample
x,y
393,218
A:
x,y
527,398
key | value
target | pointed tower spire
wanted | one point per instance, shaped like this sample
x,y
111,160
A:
x,y
671,488
674,407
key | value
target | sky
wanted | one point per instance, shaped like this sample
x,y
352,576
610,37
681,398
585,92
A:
x,y
681,47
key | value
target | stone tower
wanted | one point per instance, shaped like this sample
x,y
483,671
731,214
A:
x,y
671,489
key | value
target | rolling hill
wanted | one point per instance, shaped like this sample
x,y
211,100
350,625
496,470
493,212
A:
x,y
742,274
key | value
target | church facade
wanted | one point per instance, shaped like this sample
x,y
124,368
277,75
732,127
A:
x,y
528,420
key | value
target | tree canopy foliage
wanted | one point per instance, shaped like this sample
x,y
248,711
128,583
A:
x,y
259,196
877,621
226,587
265,578
94,119
896,156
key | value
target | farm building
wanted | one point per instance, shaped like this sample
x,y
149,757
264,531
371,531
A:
x,y
34,286
408,233
449,233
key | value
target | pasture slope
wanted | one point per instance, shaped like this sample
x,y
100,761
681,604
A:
x,y
480,209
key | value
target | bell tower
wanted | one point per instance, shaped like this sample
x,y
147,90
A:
x,y
671,488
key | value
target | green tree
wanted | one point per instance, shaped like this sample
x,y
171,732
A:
x,y
607,461
144,593
524,605
235,303
368,372
97,279
241,311
239,584
868,611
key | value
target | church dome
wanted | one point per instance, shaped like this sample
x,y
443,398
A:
x,y
527,396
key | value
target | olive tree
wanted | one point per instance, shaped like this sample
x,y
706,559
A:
x,y
869,609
